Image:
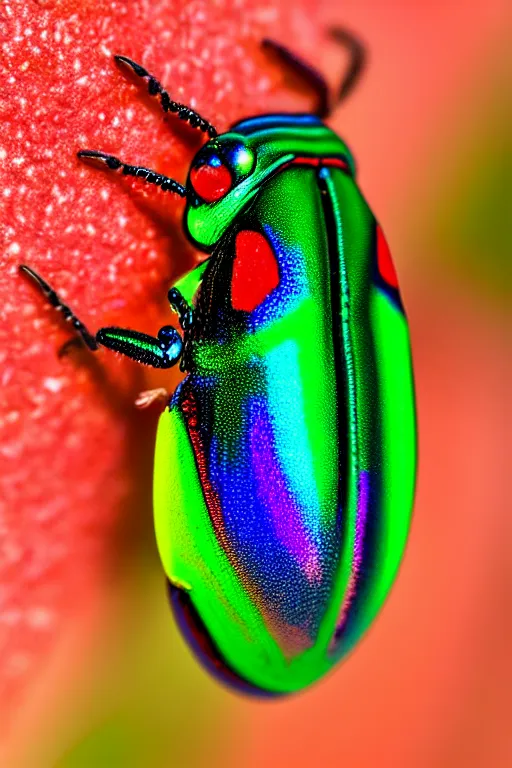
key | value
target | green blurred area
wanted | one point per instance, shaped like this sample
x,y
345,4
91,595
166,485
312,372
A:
x,y
468,223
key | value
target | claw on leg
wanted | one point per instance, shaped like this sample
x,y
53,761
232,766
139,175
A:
x,y
55,301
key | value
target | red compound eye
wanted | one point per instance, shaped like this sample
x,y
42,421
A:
x,y
211,182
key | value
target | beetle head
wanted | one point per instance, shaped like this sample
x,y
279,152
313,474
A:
x,y
219,184
229,170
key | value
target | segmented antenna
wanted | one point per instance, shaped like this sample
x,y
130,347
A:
x,y
168,105
312,78
151,177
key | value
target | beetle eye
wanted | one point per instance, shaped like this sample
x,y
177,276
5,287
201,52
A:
x,y
211,181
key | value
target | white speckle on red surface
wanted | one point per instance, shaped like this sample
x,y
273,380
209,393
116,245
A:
x,y
53,384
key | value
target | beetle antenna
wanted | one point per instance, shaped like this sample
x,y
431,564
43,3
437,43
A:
x,y
151,177
311,77
314,79
357,64
168,105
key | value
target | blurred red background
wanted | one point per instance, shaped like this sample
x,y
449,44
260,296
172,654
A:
x,y
92,670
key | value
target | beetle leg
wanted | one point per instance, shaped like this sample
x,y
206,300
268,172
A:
x,y
151,177
160,352
53,299
182,307
315,80
164,351
168,105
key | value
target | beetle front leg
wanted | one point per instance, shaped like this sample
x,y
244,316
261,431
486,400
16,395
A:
x,y
51,296
162,351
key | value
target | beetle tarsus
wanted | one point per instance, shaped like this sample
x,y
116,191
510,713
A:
x,y
155,88
56,302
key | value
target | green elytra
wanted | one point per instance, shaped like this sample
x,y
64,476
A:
x,y
316,213
189,548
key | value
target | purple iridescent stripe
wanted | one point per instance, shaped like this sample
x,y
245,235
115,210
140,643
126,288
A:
x,y
362,514
363,499
273,492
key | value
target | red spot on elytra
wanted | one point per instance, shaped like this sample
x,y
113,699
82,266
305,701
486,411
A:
x,y
255,271
384,260
211,182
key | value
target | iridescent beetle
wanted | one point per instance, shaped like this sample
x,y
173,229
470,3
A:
x,y
285,460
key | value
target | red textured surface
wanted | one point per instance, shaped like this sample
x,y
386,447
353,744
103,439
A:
x,y
255,272
75,457
211,182
436,693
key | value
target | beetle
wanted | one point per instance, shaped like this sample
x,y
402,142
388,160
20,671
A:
x,y
285,459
